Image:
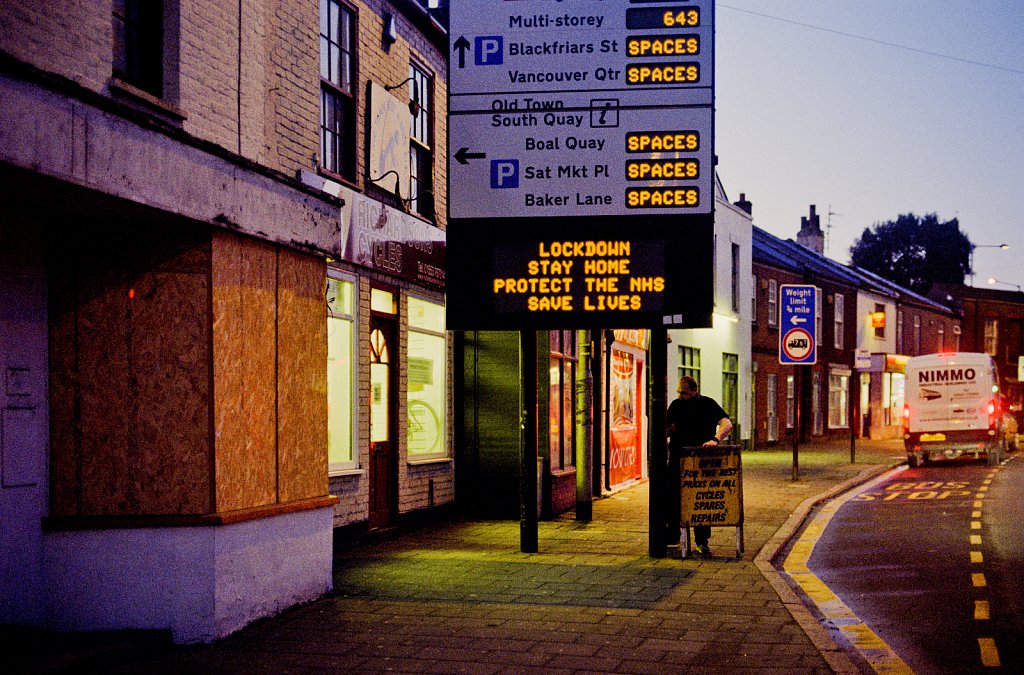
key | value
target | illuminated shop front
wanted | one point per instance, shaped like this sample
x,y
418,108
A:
x,y
885,391
388,381
626,446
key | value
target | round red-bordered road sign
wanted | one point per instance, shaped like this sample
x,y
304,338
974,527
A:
x,y
797,344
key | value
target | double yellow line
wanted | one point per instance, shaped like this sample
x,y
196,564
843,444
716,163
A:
x,y
874,649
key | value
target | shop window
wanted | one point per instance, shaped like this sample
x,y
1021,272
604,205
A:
x,y
382,301
421,154
138,37
838,399
773,302
340,374
427,377
561,401
689,363
337,89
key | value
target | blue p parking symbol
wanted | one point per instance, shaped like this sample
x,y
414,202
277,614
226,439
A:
x,y
504,174
489,50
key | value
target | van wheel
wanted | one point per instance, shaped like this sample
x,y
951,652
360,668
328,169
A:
x,y
912,461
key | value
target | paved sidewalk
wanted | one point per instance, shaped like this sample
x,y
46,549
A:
x,y
460,597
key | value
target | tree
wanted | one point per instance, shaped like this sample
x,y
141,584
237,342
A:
x,y
915,252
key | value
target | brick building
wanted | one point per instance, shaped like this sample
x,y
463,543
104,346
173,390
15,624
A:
x,y
191,217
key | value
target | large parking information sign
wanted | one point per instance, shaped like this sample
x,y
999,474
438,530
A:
x,y
581,163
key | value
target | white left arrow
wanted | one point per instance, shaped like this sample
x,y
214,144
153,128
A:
x,y
797,320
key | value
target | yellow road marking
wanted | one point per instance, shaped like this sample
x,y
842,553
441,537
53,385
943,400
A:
x,y
975,514
976,557
975,524
983,488
989,653
878,654
976,539
981,612
978,579
978,504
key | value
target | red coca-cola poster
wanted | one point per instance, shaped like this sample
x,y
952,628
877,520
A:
x,y
624,454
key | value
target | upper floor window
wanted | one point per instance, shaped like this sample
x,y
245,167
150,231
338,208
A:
x,y
899,331
773,302
421,153
337,88
753,298
689,363
139,44
991,336
880,325
838,309
917,334
735,262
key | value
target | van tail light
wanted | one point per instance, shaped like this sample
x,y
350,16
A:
x,y
906,419
992,414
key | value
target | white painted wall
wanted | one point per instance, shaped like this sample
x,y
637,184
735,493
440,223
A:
x,y
730,332
201,583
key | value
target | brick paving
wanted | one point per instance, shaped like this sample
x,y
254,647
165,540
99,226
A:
x,y
460,598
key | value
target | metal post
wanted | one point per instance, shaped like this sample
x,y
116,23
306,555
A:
x,y
657,546
528,441
849,414
584,426
798,403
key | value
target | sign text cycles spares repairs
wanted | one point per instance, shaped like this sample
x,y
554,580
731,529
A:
x,y
579,276
712,487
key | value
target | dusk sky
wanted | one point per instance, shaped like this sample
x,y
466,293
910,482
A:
x,y
874,108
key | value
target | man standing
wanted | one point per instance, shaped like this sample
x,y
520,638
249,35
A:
x,y
693,420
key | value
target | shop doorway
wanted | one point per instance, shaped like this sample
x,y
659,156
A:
x,y
383,478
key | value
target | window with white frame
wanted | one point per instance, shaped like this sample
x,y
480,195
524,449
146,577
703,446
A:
x,y
838,398
340,373
773,302
421,153
838,308
735,262
790,402
427,377
917,334
771,399
753,298
689,363
991,336
337,89
899,331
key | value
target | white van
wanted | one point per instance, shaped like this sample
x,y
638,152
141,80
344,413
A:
x,y
953,408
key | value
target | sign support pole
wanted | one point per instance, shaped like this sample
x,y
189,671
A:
x,y
850,411
658,444
528,441
797,421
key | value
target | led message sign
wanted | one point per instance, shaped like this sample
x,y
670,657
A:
x,y
528,276
597,120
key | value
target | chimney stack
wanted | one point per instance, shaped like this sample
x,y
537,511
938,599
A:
x,y
744,204
810,235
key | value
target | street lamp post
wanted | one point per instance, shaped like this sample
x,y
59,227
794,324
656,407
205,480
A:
x,y
993,281
974,246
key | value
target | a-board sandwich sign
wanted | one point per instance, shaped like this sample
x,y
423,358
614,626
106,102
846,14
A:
x,y
581,163
711,487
